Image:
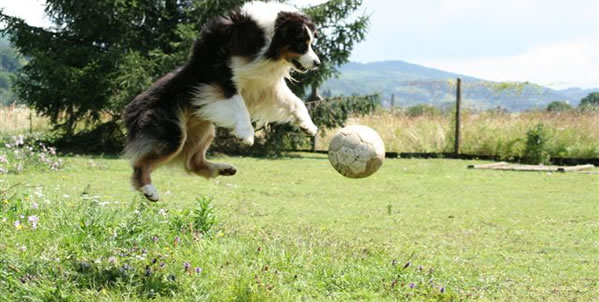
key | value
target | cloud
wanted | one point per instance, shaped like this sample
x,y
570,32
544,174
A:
x,y
32,11
560,65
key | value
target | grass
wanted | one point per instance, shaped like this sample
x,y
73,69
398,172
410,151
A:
x,y
17,119
292,229
571,134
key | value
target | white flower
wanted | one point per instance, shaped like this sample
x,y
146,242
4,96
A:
x,y
33,220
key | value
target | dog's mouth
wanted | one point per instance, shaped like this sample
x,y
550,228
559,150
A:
x,y
298,66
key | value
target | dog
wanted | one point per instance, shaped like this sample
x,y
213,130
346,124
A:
x,y
236,74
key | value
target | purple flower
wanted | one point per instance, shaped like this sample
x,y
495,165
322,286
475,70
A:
x,y
111,259
186,265
162,264
18,224
442,289
412,285
198,270
148,271
154,238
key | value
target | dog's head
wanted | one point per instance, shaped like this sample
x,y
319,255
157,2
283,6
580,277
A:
x,y
292,41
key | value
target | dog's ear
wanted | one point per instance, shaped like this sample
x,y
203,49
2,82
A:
x,y
289,25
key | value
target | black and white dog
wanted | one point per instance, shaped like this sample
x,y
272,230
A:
x,y
234,76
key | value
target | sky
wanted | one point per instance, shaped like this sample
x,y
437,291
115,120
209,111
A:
x,y
554,43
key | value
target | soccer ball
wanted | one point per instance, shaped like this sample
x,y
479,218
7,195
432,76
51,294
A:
x,y
356,151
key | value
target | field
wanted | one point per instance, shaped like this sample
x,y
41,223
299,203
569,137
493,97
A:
x,y
291,229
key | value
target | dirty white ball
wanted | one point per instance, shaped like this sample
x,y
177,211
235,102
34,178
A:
x,y
356,151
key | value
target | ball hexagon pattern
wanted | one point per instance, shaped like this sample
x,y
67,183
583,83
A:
x,y
356,151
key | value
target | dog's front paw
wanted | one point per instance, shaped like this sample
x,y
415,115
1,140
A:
x,y
245,134
309,129
150,192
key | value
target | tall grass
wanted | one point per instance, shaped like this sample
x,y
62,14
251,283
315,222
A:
x,y
571,134
18,119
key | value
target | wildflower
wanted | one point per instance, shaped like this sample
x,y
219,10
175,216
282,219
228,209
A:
x,y
148,271
186,266
420,268
154,260
198,270
154,238
33,220
35,206
162,212
111,259
162,264
3,171
442,289
3,159
412,285
394,262
18,224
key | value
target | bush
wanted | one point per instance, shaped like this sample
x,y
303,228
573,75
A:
x,y
535,152
422,109
558,106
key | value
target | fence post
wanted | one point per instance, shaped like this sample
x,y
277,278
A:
x,y
392,103
457,116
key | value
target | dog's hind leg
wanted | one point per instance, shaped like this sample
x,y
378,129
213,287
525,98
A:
x,y
148,153
200,136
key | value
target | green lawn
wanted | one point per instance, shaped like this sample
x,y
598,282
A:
x,y
292,229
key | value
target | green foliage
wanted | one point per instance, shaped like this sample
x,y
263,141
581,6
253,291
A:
x,y
204,219
558,106
334,112
536,140
422,109
591,100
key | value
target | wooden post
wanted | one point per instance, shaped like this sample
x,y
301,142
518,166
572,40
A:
x,y
30,121
457,116
392,103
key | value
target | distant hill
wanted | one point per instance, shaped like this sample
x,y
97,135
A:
x,y
414,84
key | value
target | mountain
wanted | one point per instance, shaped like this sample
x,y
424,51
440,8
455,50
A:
x,y
411,84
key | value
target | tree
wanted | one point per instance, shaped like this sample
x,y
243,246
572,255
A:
x,y
100,54
591,100
336,40
558,106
